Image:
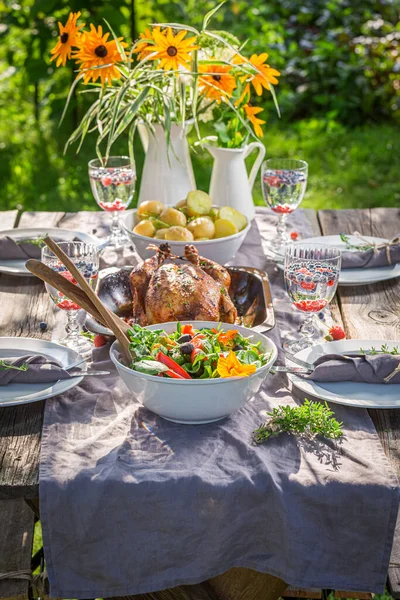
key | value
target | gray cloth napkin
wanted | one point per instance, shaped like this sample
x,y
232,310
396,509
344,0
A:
x,y
10,249
131,503
40,370
367,369
372,258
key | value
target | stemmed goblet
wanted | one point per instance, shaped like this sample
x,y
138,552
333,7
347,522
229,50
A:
x,y
311,278
113,186
86,259
284,182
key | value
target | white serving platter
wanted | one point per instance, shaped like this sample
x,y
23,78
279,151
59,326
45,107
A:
x,y
361,395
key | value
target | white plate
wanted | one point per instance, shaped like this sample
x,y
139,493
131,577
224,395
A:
x,y
25,393
354,276
17,267
362,395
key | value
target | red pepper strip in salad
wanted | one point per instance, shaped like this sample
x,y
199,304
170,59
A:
x,y
187,329
172,365
194,353
172,374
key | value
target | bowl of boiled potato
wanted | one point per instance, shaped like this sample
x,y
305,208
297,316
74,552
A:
x,y
216,231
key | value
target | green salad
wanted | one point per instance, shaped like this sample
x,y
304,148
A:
x,y
190,353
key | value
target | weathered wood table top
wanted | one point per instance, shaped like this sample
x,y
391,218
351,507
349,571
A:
x,y
371,311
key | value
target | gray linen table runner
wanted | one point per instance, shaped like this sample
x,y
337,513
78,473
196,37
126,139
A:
x,y
131,503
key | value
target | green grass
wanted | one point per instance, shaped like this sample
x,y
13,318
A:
x,y
347,168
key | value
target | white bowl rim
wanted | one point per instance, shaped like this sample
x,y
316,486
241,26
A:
x,y
221,380
184,243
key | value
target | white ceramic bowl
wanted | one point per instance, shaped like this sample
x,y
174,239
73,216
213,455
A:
x,y
198,401
221,250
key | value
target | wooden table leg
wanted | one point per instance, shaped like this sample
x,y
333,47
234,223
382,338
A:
x,y
246,584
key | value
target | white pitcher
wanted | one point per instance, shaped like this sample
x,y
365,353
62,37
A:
x,y
230,185
167,172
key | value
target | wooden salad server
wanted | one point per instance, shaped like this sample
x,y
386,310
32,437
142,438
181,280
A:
x,y
112,321
61,284
83,295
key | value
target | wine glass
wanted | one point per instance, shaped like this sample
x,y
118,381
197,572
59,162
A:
x,y
311,278
86,258
113,186
284,182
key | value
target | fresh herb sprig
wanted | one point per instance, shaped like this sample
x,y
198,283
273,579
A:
x,y
345,238
39,241
384,349
6,366
309,419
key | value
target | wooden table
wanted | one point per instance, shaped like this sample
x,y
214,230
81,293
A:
x,y
364,312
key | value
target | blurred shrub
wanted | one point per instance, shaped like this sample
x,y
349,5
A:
x,y
339,58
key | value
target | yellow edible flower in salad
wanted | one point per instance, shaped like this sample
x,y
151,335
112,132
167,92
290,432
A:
x,y
230,366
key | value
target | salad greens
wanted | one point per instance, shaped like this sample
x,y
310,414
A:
x,y
190,353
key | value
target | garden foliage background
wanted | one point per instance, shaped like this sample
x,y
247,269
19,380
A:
x,y
339,94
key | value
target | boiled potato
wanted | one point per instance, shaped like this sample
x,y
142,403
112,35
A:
x,y
178,234
145,227
160,233
233,215
150,207
223,228
172,216
198,203
181,204
202,227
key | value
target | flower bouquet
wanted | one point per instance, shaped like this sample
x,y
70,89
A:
x,y
173,74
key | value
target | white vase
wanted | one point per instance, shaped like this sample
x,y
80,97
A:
x,y
167,172
230,185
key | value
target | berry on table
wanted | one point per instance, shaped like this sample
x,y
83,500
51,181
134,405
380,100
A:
x,y
336,333
99,340
294,235
43,325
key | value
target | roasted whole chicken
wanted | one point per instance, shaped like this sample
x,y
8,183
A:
x,y
194,288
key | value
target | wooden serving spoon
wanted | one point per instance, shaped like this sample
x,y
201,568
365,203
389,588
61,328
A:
x,y
83,295
73,292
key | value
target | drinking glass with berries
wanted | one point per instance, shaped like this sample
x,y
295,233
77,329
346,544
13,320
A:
x,y
113,185
86,259
284,182
311,278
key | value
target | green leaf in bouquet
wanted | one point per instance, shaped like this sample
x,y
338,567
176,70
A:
x,y
121,50
273,94
131,113
71,91
178,26
210,14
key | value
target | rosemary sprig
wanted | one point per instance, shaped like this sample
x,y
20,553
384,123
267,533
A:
x,y
345,238
39,241
309,419
6,366
384,349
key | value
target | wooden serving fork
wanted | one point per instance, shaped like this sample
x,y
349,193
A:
x,y
83,295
